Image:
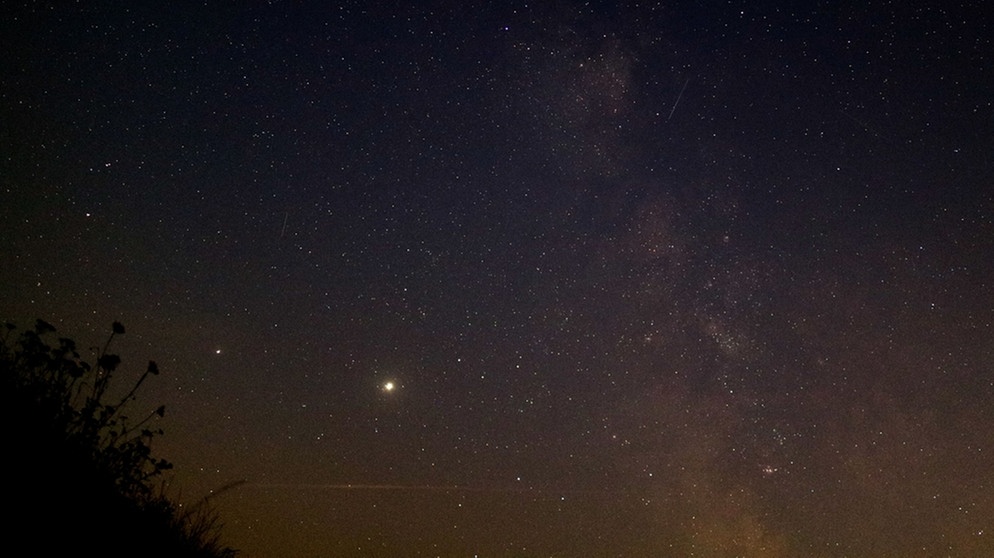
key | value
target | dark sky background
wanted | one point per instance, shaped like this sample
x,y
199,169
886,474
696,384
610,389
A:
x,y
675,279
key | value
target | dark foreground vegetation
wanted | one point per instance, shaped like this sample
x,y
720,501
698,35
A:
x,y
79,474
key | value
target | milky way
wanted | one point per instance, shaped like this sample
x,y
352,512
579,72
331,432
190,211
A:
x,y
561,280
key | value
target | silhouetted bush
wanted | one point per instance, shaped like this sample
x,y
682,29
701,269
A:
x,y
81,474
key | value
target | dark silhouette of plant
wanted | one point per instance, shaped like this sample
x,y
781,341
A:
x,y
83,474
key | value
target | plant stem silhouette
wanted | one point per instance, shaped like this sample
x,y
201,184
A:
x,y
83,475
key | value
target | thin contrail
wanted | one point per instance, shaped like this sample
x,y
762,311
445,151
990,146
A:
x,y
678,97
430,488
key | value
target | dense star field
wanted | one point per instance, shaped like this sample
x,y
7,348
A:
x,y
528,279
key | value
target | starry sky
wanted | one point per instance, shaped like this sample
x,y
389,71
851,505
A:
x,y
527,278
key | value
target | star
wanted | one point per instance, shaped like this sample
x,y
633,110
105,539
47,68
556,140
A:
x,y
571,243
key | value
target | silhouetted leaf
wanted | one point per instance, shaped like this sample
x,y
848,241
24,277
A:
x,y
109,362
101,449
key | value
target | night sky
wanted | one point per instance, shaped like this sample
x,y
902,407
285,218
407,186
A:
x,y
527,279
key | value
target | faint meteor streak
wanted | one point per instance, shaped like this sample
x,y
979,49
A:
x,y
678,97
